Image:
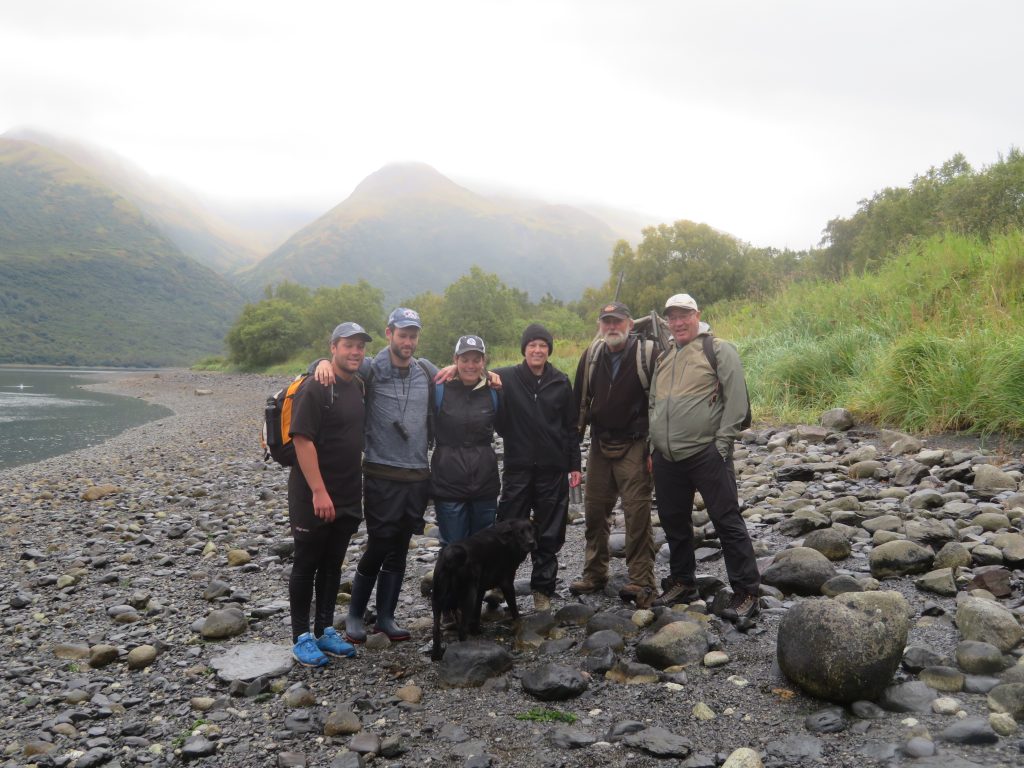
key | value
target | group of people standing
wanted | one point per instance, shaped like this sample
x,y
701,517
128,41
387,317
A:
x,y
377,419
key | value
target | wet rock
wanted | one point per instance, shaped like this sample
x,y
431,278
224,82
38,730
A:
x,y
678,643
553,682
1008,698
101,655
567,737
299,696
253,660
945,679
632,673
838,419
979,658
831,720
365,743
899,558
953,555
909,473
1002,723
917,657
224,623
866,469
989,478
744,757
919,746
471,663
993,578
800,570
845,648
841,584
71,651
795,749
659,742
97,492
342,722
914,696
831,542
940,582
973,730
196,747
988,622
141,656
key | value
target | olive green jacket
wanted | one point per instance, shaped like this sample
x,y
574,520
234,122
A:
x,y
686,411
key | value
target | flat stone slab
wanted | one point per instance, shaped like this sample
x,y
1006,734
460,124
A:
x,y
252,660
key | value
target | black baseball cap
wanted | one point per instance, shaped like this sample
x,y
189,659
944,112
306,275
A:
x,y
469,343
616,309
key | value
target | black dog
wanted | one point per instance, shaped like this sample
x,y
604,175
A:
x,y
466,569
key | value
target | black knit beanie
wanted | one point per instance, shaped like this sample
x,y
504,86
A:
x,y
537,331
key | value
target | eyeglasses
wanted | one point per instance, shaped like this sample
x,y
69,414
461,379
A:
x,y
680,314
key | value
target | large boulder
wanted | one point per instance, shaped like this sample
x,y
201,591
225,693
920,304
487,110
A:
x,y
800,571
899,558
980,619
846,648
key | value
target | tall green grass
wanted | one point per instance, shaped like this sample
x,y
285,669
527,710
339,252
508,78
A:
x,y
933,341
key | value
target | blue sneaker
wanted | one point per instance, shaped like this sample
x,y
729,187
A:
x,y
330,642
307,653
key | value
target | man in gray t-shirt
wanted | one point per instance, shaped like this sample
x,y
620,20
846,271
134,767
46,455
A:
x,y
396,485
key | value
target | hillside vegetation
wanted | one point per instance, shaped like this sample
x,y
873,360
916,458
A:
x,y
932,340
198,233
86,280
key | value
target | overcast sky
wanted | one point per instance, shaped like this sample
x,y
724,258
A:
x,y
764,119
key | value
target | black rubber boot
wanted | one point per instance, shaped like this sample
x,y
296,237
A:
x,y
389,585
362,586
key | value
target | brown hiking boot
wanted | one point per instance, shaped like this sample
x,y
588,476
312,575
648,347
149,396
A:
x,y
675,592
742,608
586,586
640,596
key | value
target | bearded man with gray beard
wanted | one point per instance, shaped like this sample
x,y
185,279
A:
x,y
617,411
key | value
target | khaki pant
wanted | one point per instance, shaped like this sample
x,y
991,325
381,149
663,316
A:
x,y
607,479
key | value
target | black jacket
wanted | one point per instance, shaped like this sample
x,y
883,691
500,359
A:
x,y
463,465
537,419
618,407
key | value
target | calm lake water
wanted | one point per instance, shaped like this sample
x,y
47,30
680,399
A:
x,y
44,412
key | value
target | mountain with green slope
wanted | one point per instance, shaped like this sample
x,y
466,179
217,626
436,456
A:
x,y
85,279
408,229
197,231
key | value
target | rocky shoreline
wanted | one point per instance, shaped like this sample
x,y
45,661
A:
x,y
146,582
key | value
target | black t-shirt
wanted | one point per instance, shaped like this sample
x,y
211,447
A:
x,y
336,430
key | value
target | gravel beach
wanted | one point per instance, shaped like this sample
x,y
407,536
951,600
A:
x,y
144,610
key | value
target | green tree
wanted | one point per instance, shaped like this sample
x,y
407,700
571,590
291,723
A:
x,y
266,333
360,303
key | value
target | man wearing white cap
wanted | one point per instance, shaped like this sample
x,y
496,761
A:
x,y
697,408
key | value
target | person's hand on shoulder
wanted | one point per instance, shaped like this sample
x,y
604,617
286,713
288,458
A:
x,y
324,373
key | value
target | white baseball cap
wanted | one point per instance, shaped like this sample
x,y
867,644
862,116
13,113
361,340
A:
x,y
683,301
